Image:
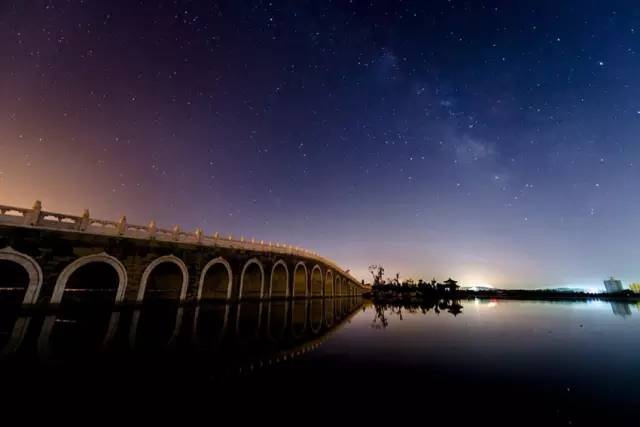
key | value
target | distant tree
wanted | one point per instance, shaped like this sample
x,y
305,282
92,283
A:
x,y
377,271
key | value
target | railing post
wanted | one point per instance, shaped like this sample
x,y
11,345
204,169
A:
x,y
175,235
84,220
151,229
122,225
33,217
199,235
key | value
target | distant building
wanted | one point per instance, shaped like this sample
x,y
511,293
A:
x,y
613,285
451,285
635,287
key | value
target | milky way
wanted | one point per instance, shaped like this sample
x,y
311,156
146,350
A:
x,y
496,142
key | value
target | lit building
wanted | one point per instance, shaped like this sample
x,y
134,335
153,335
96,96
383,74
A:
x,y
635,287
613,285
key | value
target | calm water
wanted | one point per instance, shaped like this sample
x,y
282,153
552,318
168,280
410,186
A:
x,y
473,361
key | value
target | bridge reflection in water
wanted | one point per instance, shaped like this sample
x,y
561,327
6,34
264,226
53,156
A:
x,y
231,338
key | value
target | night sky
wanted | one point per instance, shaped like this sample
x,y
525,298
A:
x,y
494,142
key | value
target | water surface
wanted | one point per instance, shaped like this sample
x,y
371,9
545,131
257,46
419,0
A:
x,y
546,362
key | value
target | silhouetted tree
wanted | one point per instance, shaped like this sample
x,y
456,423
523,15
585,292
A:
x,y
377,271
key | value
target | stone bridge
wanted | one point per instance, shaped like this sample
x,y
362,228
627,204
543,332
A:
x,y
48,258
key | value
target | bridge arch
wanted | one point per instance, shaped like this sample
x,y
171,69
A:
x,y
167,259
31,267
279,282
300,285
68,271
316,281
328,284
216,274
338,286
252,280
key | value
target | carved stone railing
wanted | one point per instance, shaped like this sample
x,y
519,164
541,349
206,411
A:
x,y
36,217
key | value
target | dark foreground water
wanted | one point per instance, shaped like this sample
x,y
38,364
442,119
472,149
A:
x,y
470,362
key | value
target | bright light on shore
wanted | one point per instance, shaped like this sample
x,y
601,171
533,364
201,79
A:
x,y
475,286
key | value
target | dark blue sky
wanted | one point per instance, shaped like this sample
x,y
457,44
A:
x,y
495,142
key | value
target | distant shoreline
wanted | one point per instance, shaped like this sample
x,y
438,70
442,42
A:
x,y
504,294
550,295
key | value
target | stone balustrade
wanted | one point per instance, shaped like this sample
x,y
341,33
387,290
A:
x,y
38,218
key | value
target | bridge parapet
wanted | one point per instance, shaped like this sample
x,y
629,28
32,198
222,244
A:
x,y
38,218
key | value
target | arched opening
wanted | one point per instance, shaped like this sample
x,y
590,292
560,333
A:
x,y
338,286
164,282
279,280
300,281
94,282
316,282
252,280
91,276
328,284
14,280
215,282
14,284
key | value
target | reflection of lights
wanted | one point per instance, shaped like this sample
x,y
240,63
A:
x,y
492,303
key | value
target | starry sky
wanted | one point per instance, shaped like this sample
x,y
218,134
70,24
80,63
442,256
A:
x,y
491,141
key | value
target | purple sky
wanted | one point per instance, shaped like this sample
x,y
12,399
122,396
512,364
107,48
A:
x,y
494,142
